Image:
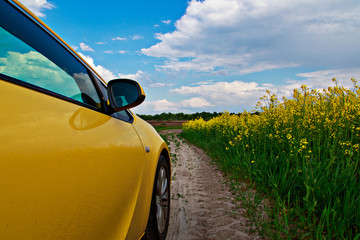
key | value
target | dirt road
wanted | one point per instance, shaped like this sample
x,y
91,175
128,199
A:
x,y
201,204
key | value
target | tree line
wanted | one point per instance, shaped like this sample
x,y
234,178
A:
x,y
183,116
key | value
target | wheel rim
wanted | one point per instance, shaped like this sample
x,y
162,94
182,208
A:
x,y
162,200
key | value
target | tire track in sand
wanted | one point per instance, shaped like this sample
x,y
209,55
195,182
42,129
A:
x,y
202,206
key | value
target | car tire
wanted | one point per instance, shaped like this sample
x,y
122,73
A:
x,y
158,222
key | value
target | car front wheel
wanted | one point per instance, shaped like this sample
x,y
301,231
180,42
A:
x,y
158,222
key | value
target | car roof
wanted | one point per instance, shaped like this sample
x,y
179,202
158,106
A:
x,y
54,35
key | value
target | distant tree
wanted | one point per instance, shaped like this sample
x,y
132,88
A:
x,y
179,116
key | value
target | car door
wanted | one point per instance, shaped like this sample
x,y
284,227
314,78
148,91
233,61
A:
x,y
68,169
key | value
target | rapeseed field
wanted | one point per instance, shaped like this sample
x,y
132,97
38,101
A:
x,y
302,152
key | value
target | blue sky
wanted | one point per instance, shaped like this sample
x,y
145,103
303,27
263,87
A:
x,y
212,55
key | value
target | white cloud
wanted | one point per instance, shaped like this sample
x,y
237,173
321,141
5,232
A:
x,y
322,79
203,82
153,85
239,95
268,85
262,66
106,74
109,51
140,76
100,43
119,38
122,52
156,25
137,37
317,80
137,76
162,105
86,48
38,6
225,93
196,102
134,37
245,36
167,22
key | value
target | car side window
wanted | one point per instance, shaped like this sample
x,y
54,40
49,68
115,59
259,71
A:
x,y
123,115
29,54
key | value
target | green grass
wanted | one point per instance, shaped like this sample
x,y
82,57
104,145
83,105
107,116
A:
x,y
164,127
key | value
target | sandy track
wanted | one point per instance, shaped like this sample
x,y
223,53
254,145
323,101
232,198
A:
x,y
201,204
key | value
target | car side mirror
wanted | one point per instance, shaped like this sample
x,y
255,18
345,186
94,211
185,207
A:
x,y
124,94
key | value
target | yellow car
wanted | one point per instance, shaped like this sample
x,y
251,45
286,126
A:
x,y
75,162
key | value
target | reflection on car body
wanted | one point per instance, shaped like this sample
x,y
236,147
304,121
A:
x,y
75,161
